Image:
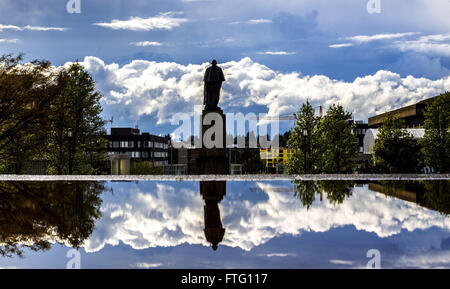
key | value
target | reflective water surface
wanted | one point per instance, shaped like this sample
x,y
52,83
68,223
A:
x,y
234,224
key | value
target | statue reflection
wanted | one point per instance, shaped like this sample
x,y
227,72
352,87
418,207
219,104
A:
x,y
213,193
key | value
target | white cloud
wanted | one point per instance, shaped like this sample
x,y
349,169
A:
x,y
42,28
161,89
251,21
277,53
425,260
280,255
437,44
31,28
434,44
259,21
146,43
384,36
342,262
15,40
147,265
9,27
164,21
341,45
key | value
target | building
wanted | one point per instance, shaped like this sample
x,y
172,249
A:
x,y
413,115
274,157
129,141
372,135
360,131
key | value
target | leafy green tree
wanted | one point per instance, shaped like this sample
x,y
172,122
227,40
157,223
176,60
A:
x,y
436,142
25,96
303,141
77,142
336,141
395,150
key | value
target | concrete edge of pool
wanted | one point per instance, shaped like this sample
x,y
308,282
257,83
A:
x,y
337,177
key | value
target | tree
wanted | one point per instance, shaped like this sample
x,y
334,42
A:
x,y
395,150
303,141
26,91
436,142
77,142
336,144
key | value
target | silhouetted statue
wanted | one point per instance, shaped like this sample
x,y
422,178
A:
x,y
213,83
213,193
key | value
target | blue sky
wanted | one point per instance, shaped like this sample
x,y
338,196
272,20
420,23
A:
x,y
276,53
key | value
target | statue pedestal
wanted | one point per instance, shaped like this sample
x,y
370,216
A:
x,y
212,157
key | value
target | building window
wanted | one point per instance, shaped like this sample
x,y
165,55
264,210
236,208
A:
x,y
145,155
116,144
136,154
147,144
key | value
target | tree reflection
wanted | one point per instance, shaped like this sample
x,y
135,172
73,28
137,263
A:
x,y
306,192
35,214
437,196
336,191
430,194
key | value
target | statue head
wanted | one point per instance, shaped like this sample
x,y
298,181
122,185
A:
x,y
214,62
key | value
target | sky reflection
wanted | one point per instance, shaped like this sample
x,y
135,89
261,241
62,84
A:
x,y
161,225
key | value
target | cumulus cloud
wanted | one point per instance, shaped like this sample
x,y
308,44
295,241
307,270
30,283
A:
x,y
165,216
163,21
161,89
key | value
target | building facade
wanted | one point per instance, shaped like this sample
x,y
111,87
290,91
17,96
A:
x,y
274,157
413,115
145,147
